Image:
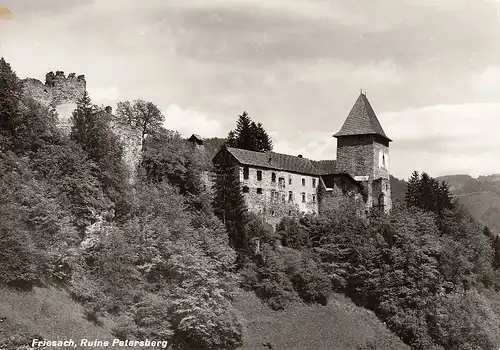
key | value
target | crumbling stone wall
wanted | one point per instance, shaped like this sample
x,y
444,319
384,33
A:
x,y
131,139
58,92
273,202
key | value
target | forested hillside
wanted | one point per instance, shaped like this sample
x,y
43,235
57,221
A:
x,y
166,257
481,196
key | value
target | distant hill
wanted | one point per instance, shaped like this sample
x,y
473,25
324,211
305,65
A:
x,y
212,145
481,196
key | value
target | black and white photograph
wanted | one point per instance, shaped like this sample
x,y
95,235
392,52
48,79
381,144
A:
x,y
250,174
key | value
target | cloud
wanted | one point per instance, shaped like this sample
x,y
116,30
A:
x,y
188,122
104,94
445,139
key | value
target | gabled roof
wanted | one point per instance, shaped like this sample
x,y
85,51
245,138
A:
x,y
196,138
272,160
362,120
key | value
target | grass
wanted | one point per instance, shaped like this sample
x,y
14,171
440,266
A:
x,y
338,325
50,313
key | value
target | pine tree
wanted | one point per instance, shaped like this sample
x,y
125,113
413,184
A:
x,y
229,204
249,135
263,141
412,190
82,118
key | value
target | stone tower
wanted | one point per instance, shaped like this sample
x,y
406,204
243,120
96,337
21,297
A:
x,y
60,92
363,153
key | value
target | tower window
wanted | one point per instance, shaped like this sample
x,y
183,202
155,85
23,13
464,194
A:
x,y
383,160
273,177
303,182
246,189
259,175
314,183
246,171
290,196
259,191
314,198
290,180
303,197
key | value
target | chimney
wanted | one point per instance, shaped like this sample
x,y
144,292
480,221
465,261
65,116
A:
x,y
300,155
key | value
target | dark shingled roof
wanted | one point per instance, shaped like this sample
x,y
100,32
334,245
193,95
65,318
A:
x,y
195,137
325,166
362,120
273,160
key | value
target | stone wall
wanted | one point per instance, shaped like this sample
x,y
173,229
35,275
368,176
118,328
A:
x,y
273,202
59,92
131,139
366,156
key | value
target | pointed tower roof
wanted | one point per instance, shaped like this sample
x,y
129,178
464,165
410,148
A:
x,y
362,120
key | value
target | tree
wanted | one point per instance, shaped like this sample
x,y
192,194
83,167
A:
x,y
249,135
427,193
229,204
10,94
263,141
144,115
91,129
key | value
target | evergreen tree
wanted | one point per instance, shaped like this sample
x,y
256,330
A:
x,y
427,193
263,141
229,204
82,120
249,135
412,190
91,129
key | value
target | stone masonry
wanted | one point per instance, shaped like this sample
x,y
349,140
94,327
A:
x,y
290,194
59,92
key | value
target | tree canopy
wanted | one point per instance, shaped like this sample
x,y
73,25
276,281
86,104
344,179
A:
x,y
249,135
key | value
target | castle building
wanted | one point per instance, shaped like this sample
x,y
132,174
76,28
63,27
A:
x,y
276,185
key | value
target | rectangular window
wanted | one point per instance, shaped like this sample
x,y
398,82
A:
x,y
245,189
314,198
273,195
281,182
259,191
246,171
283,198
314,183
303,182
290,180
303,197
273,177
259,175
290,196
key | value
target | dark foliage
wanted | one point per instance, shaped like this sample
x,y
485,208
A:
x,y
249,135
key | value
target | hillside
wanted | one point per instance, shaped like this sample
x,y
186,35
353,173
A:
x,y
338,325
46,312
481,197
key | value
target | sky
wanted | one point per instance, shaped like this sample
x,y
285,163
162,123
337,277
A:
x,y
430,68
